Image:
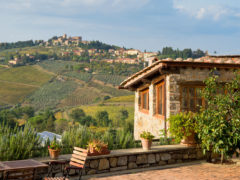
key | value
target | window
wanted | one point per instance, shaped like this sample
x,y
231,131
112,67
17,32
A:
x,y
144,100
160,99
191,99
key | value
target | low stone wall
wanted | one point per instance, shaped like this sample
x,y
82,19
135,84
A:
x,y
125,159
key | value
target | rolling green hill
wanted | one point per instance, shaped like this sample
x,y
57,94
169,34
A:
x,y
49,85
18,83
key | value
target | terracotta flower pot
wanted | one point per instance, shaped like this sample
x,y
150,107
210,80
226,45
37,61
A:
x,y
93,152
189,140
54,153
146,144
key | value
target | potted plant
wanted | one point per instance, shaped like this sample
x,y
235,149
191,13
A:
x,y
146,139
183,127
97,147
54,149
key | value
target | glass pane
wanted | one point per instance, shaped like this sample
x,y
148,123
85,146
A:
x,y
199,102
160,105
206,104
184,92
192,105
140,99
198,92
191,92
184,103
145,101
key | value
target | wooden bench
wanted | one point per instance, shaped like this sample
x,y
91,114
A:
x,y
77,163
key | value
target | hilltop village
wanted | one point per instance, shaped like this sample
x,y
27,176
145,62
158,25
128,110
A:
x,y
74,48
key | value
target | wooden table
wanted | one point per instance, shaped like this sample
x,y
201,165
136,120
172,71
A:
x,y
20,165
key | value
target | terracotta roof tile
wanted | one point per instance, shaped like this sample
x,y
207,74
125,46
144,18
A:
x,y
231,61
207,59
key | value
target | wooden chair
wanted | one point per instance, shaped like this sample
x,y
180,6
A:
x,y
77,163
24,174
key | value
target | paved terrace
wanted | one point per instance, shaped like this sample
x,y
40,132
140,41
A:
x,y
199,170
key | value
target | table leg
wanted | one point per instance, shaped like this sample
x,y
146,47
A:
x,y
1,175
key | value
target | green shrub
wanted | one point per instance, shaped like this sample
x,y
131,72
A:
x,y
182,125
18,143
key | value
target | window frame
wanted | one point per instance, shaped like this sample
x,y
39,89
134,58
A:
x,y
188,86
141,104
157,85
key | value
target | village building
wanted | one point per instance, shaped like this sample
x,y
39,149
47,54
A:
x,y
92,51
111,51
14,61
85,42
167,87
126,60
77,52
75,40
148,55
132,52
119,52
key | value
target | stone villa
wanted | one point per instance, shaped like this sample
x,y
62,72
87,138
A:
x,y
169,86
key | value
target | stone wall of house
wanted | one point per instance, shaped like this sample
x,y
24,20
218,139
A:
x,y
188,75
132,159
147,121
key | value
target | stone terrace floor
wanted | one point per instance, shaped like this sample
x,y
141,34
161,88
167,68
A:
x,y
188,171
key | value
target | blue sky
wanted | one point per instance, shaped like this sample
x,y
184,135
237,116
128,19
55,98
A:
x,y
212,25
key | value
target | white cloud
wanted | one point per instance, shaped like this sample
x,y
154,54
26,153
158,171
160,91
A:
x,y
205,9
201,13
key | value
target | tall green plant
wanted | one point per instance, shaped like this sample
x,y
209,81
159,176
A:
x,y
218,124
80,136
18,143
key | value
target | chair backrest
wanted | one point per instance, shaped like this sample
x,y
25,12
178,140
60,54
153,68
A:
x,y
79,157
25,174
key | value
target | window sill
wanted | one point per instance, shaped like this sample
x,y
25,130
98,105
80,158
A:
x,y
145,111
159,116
